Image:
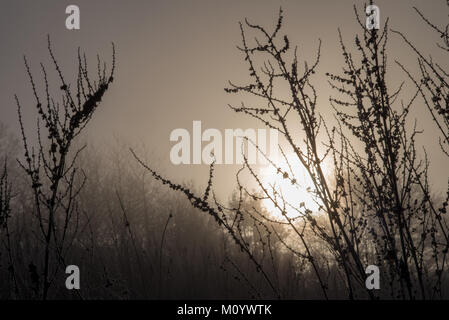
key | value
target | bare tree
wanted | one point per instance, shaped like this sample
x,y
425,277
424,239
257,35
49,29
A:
x,y
376,205
51,167
432,85
5,235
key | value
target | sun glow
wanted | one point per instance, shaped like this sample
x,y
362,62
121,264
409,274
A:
x,y
290,186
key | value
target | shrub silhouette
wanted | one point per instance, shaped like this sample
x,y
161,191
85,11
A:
x,y
53,175
375,207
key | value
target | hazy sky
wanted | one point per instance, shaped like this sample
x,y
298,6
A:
x,y
175,57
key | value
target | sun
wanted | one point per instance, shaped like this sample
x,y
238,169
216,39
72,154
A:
x,y
291,186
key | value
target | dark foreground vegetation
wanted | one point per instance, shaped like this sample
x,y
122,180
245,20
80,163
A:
x,y
136,234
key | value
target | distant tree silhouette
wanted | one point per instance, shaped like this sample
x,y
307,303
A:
x,y
5,214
